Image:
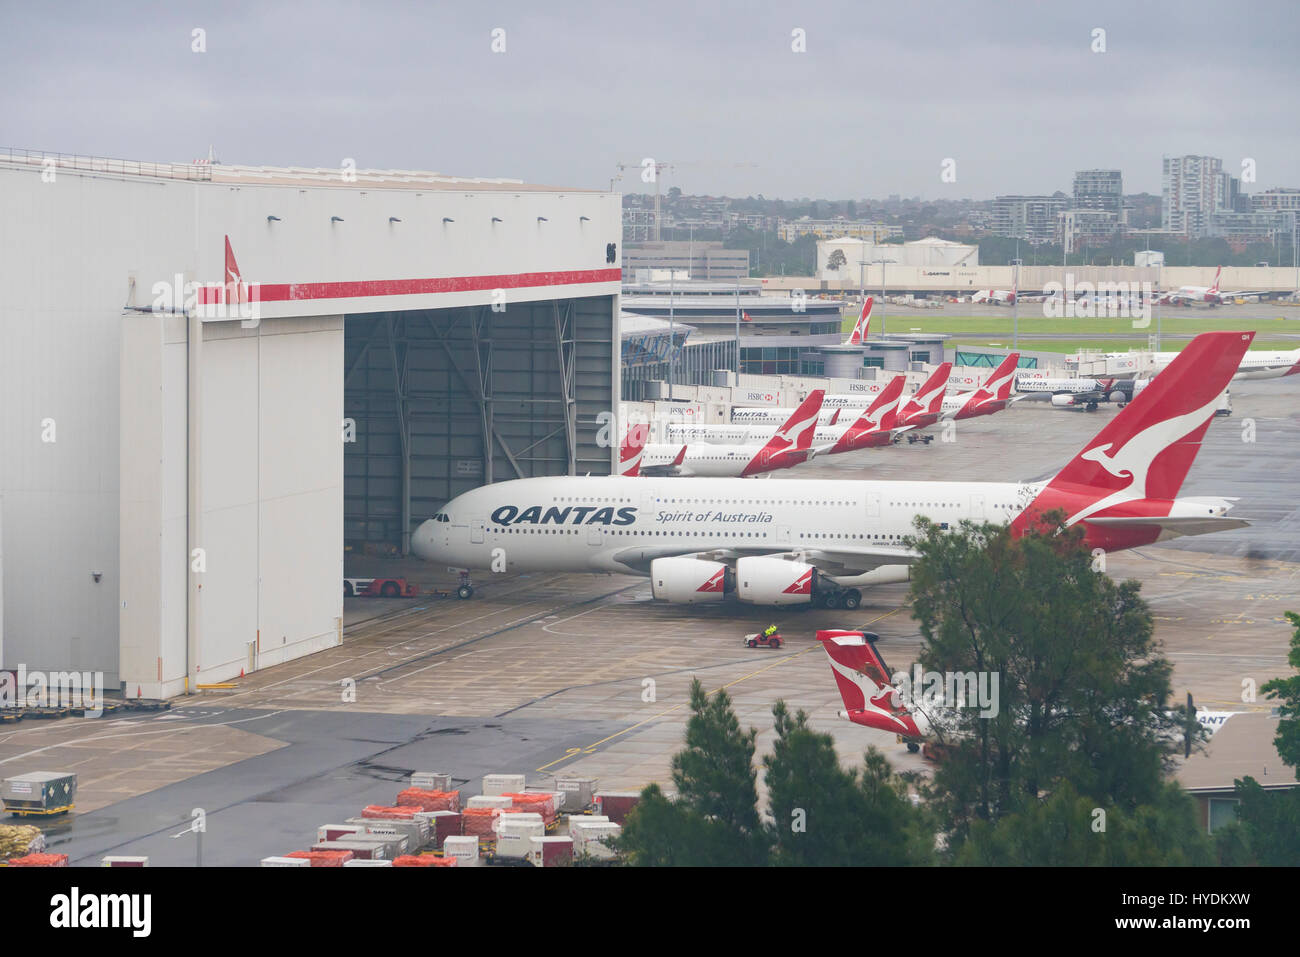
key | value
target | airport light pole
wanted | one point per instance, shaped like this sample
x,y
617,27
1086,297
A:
x,y
672,339
1015,304
737,331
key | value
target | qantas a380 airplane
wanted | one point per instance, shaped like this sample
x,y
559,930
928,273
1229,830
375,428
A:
x,y
802,541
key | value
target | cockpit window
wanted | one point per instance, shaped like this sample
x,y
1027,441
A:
x,y
441,517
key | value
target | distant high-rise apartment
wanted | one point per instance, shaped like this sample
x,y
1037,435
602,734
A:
x,y
1031,218
1194,189
1100,189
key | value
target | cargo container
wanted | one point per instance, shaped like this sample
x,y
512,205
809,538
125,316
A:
x,y
357,862
362,850
39,792
118,860
515,832
579,793
494,784
285,862
464,849
431,781
589,839
616,804
395,842
415,831
333,832
442,825
490,800
550,851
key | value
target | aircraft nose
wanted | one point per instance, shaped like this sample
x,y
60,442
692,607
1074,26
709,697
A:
x,y
424,540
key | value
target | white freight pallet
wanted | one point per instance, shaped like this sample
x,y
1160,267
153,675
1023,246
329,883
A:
x,y
462,847
285,862
495,784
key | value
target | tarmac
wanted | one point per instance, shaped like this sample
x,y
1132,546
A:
x,y
544,674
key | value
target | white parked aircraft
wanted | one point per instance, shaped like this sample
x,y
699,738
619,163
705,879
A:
x,y
1253,365
800,541
788,446
865,429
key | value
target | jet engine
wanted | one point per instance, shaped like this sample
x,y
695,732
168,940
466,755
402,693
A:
x,y
1062,400
690,581
774,581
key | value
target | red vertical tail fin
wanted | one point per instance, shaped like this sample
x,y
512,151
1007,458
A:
x,y
859,670
1137,463
798,430
632,449
1214,289
928,400
861,327
884,409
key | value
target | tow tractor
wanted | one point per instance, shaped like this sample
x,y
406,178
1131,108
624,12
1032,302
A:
x,y
401,588
763,639
379,588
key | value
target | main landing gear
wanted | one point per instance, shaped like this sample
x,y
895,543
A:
x,y
847,598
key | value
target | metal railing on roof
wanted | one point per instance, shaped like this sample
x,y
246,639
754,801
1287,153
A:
x,y
104,164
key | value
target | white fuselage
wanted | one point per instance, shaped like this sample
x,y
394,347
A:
x,y
1253,365
746,436
702,459
1051,386
753,418
614,524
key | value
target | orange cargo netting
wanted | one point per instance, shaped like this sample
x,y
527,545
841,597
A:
x,y
323,858
478,821
39,860
423,860
429,800
543,804
389,813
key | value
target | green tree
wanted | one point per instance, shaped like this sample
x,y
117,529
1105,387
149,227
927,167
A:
x,y
1068,829
1083,695
714,821
1269,823
1287,690
824,815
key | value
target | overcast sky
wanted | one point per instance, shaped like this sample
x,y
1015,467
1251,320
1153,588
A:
x,y
882,96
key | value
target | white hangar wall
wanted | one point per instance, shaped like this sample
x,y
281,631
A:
x,y
110,493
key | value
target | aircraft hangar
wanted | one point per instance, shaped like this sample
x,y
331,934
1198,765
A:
x,y
215,377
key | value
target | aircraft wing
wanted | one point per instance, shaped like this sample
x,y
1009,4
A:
x,y
1172,526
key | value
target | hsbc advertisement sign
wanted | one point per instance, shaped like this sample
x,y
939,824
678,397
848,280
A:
x,y
759,397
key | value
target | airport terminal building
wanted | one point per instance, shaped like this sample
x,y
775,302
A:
x,y
216,376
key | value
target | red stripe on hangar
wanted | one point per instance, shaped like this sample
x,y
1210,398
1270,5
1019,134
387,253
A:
x,y
300,291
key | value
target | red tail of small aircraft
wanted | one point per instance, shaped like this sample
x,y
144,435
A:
x,y
865,684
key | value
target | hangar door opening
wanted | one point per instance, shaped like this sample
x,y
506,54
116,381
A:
x,y
437,402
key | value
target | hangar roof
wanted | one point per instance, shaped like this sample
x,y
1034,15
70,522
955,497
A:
x,y
204,171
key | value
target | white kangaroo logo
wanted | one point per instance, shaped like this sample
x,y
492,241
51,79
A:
x,y
1134,458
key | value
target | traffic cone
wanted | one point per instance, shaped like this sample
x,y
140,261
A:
x,y
138,693
241,672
